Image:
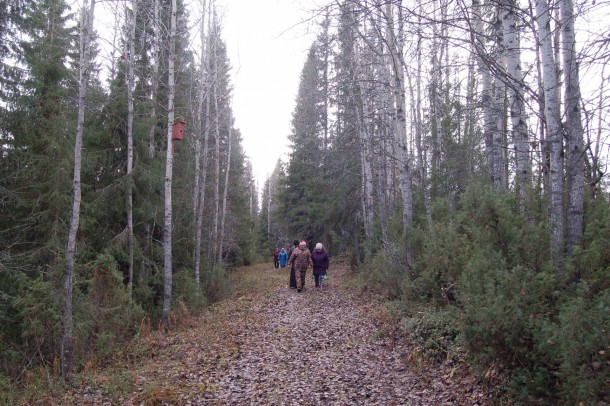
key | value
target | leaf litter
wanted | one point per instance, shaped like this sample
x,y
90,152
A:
x,y
269,345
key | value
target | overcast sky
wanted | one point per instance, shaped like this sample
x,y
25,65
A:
x,y
267,46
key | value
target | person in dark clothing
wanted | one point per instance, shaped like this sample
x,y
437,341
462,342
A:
x,y
276,255
320,260
293,278
301,258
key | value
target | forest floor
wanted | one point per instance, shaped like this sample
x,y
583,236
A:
x,y
269,345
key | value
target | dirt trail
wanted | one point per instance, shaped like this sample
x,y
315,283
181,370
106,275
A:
x,y
269,345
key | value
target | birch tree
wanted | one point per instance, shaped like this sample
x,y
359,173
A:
x,y
552,117
156,54
130,84
169,160
395,46
86,34
516,103
216,179
498,109
575,147
223,214
478,38
203,129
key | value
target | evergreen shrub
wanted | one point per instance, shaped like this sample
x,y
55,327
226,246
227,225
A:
x,y
438,266
104,317
384,273
216,283
549,333
184,290
482,280
434,332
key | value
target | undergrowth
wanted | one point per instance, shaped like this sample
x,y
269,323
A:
x,y
482,288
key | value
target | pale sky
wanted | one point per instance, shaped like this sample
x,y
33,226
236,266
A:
x,y
267,46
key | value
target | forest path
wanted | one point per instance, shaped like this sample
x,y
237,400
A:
x,y
269,345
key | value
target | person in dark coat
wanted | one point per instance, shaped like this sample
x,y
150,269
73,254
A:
x,y
293,278
320,259
301,258
276,255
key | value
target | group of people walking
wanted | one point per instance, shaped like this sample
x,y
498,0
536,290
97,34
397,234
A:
x,y
299,258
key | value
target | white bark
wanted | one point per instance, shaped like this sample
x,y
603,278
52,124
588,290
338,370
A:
x,y
86,34
396,51
130,84
552,117
155,81
421,160
499,114
366,176
199,113
516,103
575,152
169,161
216,187
224,195
203,132
486,83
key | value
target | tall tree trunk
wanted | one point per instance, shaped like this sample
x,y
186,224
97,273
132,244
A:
x,y
471,116
169,162
576,153
225,193
396,50
203,132
499,110
479,41
130,83
154,81
364,138
421,158
517,106
552,117
436,111
215,96
594,174
199,113
86,33
544,155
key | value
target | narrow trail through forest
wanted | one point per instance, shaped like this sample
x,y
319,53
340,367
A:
x,y
269,345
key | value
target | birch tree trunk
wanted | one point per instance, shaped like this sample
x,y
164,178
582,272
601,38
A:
x,y
199,113
366,175
552,117
499,115
169,161
155,81
203,132
224,195
544,154
594,173
396,49
478,39
575,152
86,33
214,239
517,106
130,83
421,159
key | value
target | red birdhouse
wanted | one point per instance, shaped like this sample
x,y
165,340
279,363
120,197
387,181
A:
x,y
178,130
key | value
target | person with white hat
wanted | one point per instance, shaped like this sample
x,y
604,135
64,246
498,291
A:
x,y
320,260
